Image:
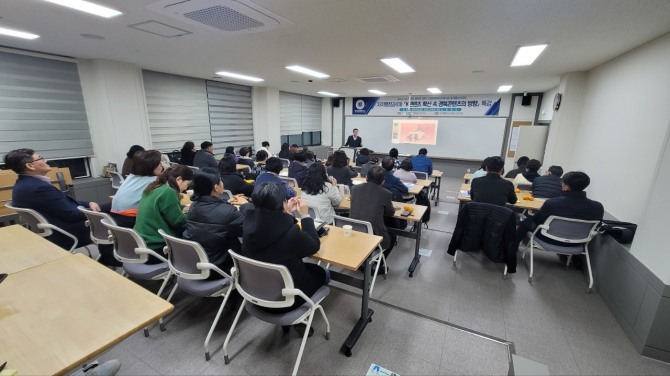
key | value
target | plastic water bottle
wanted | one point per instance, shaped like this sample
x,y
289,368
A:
x,y
468,171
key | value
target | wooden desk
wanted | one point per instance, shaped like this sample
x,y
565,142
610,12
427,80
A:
x,y
241,167
58,315
467,178
21,249
414,233
520,202
437,176
416,188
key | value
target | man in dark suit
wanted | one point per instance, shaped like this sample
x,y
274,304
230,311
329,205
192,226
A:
x,y
371,202
354,141
205,156
492,188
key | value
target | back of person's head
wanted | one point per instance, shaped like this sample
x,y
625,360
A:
x,y
533,165
494,164
300,157
269,196
227,163
556,171
261,155
204,181
170,176
406,164
393,153
423,151
17,159
316,179
577,181
329,160
340,159
205,145
309,155
483,166
364,151
145,162
244,151
388,163
274,164
376,175
133,149
521,162
229,150
284,146
188,147
265,144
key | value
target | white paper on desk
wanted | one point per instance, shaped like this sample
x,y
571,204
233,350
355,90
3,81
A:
x,y
377,370
283,173
357,182
409,185
425,252
465,193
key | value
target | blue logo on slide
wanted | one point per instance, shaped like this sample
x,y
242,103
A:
x,y
363,105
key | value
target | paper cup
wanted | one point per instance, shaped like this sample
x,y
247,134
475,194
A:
x,y
189,192
347,230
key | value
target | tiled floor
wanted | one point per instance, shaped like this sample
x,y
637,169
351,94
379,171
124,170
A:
x,y
554,321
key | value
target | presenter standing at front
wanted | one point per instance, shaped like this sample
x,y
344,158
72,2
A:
x,y
354,141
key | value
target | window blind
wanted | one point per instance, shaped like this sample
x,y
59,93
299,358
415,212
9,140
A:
x,y
230,115
298,113
177,109
42,107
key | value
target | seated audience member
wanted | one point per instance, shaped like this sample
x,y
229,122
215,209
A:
x,y
329,160
265,146
309,158
371,163
492,188
160,208
404,173
371,202
212,222
205,156
422,163
285,153
363,157
187,153
340,168
273,167
233,180
128,162
259,167
272,235
549,185
294,149
146,167
393,153
33,190
521,164
320,192
481,172
245,157
526,178
392,183
298,168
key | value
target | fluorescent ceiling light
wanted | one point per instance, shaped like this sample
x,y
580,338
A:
x,y
378,92
240,76
18,34
434,90
87,7
527,55
504,88
399,65
329,93
307,71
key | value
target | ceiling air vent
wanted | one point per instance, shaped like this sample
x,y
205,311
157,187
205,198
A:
x,y
377,79
232,17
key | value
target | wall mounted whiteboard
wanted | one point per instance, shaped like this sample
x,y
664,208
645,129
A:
x,y
457,138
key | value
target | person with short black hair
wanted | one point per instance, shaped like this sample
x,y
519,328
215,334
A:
x,y
374,161
128,162
521,167
298,168
245,158
354,141
340,168
404,173
320,192
187,153
273,167
422,163
392,183
265,146
259,167
205,156
363,156
285,152
233,180
549,185
309,158
492,188
146,168
526,178
393,153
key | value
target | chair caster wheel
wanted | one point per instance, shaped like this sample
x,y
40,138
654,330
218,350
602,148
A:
x,y
327,336
226,359
285,328
347,353
207,357
146,332
370,319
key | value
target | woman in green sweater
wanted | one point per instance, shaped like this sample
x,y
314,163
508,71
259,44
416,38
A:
x,y
160,208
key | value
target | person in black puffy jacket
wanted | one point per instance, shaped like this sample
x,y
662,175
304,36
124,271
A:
x,y
232,180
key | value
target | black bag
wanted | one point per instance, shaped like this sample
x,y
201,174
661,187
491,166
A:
x,y
422,199
623,232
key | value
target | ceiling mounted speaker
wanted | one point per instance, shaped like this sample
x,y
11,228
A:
x,y
232,17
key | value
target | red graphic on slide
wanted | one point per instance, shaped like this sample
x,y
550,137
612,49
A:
x,y
424,133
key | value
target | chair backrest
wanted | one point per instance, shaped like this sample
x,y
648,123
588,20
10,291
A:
x,y
261,283
291,182
174,156
99,232
117,179
125,241
420,175
226,195
31,219
183,257
193,168
569,230
285,162
356,225
350,152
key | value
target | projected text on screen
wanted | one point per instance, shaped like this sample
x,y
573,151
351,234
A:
x,y
414,131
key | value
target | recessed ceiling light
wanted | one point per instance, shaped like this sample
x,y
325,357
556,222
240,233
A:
x,y
397,64
434,90
239,76
307,71
527,55
378,92
87,7
17,34
329,93
504,88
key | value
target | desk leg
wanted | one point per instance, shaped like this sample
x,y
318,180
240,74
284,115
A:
x,y
417,244
366,314
438,183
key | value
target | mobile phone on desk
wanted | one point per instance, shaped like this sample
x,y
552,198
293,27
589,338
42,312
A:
x,y
3,276
405,213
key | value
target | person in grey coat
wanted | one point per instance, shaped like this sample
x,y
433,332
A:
x,y
205,156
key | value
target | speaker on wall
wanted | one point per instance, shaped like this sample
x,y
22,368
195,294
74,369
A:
x,y
336,102
526,99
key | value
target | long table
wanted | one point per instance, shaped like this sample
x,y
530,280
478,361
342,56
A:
x,y
414,190
21,249
56,315
350,253
536,204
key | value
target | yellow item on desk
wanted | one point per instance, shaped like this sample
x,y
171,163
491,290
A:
x,y
9,372
250,181
529,197
517,190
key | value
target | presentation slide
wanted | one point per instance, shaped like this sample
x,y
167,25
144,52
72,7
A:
x,y
414,131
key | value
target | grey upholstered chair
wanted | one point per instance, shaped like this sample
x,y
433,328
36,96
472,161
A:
x,y
420,175
36,223
99,232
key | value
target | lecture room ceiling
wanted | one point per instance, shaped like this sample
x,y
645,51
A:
x,y
461,47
